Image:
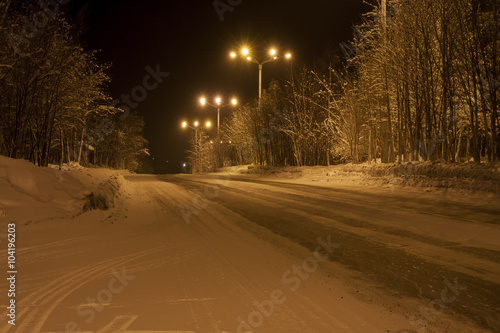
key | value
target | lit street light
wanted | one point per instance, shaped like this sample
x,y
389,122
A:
x,y
273,55
218,105
197,139
196,125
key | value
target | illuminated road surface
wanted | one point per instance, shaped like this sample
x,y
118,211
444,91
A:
x,y
202,254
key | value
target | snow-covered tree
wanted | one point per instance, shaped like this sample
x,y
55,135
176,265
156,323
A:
x,y
54,105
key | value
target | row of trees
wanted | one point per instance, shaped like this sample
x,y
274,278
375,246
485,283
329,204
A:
x,y
420,83
430,70
54,107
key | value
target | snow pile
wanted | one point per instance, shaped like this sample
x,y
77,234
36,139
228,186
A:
x,y
262,170
29,193
102,185
233,169
470,177
104,196
280,172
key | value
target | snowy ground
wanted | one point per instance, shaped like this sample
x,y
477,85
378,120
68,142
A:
x,y
293,252
417,176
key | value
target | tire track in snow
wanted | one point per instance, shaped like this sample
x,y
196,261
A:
x,y
203,225
39,305
319,210
297,304
290,309
394,268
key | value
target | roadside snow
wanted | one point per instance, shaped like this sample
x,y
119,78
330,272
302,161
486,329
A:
x,y
205,268
30,194
417,176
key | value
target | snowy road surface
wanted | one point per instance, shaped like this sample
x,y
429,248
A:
x,y
235,254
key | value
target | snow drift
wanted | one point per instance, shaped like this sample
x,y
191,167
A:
x,y
29,193
471,177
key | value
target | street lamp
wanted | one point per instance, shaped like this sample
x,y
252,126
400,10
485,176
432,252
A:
x,y
196,124
272,56
197,139
218,105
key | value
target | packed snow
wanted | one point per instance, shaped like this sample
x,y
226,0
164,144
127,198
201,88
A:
x,y
215,253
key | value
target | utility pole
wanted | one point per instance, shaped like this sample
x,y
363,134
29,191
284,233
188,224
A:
x,y
386,126
260,82
330,92
384,16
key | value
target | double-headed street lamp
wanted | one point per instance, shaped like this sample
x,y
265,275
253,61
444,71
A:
x,y
272,56
218,105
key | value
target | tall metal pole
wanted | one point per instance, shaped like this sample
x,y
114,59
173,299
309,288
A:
x,y
329,113
260,81
384,16
387,122
198,150
218,121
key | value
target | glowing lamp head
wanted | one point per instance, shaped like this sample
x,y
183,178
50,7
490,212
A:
x,y
196,124
203,101
208,124
249,58
234,101
245,51
273,52
218,100
184,124
233,54
288,56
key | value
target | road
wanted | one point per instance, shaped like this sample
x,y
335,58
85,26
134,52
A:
x,y
240,254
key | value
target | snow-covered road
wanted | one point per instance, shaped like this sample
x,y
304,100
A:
x,y
242,254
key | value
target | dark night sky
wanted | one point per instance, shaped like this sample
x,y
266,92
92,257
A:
x,y
188,40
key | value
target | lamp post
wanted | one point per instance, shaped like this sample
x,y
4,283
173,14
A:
x,y
272,56
218,105
196,127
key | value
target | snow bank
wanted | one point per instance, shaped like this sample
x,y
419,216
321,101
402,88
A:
x,y
29,193
287,172
103,196
432,175
470,177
